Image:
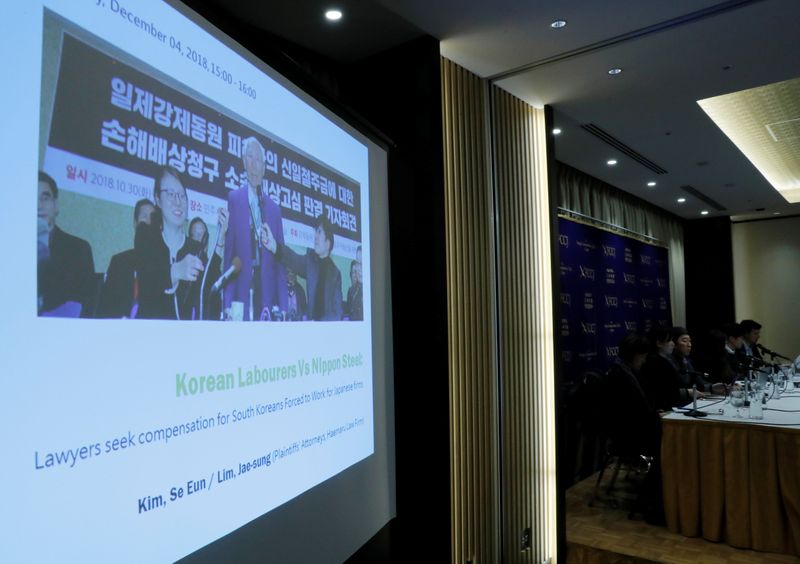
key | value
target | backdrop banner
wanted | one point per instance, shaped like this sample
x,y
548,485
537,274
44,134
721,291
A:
x,y
610,285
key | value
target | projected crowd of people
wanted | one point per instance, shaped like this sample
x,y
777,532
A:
x,y
250,275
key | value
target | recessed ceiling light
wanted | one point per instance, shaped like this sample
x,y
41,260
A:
x,y
651,183
558,24
615,70
557,131
704,212
611,162
333,15
681,200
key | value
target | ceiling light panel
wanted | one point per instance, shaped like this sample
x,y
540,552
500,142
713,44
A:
x,y
764,124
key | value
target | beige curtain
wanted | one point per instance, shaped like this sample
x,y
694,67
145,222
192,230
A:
x,y
588,196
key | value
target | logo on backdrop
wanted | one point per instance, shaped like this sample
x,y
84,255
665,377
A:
x,y
563,240
566,356
647,303
612,301
587,246
609,251
566,299
611,276
612,352
612,326
587,273
564,327
629,302
589,328
631,326
588,301
629,278
628,255
661,282
644,259
662,303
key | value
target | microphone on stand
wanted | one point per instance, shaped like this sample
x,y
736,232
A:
x,y
233,270
773,354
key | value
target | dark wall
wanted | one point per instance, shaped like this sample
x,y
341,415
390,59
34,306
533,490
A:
x,y
399,92
709,274
396,98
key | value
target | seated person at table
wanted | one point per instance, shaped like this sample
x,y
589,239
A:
x,y
167,265
120,291
687,374
715,360
323,279
734,341
659,374
751,333
65,265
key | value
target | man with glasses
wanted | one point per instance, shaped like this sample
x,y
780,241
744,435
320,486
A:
x,y
66,285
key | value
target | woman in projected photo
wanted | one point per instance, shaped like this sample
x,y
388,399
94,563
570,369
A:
x,y
198,235
170,264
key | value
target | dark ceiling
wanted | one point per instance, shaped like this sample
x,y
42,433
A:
x,y
672,54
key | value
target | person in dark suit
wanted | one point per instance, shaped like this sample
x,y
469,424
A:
x,y
323,279
120,293
751,333
261,275
734,341
355,295
65,266
297,298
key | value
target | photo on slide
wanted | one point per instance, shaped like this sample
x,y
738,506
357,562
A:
x,y
156,203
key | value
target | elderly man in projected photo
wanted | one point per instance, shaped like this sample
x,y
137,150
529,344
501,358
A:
x,y
261,283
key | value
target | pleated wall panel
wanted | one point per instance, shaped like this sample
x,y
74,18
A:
x,y
474,455
525,330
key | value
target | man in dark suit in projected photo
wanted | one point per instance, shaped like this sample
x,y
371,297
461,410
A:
x,y
120,291
251,211
322,276
65,267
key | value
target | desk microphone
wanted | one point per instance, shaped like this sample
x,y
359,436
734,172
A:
x,y
694,412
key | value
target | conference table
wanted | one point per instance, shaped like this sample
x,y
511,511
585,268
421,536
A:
x,y
735,480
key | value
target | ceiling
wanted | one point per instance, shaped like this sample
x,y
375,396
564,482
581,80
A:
x,y
672,54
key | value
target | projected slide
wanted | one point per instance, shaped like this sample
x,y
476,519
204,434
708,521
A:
x,y
192,338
